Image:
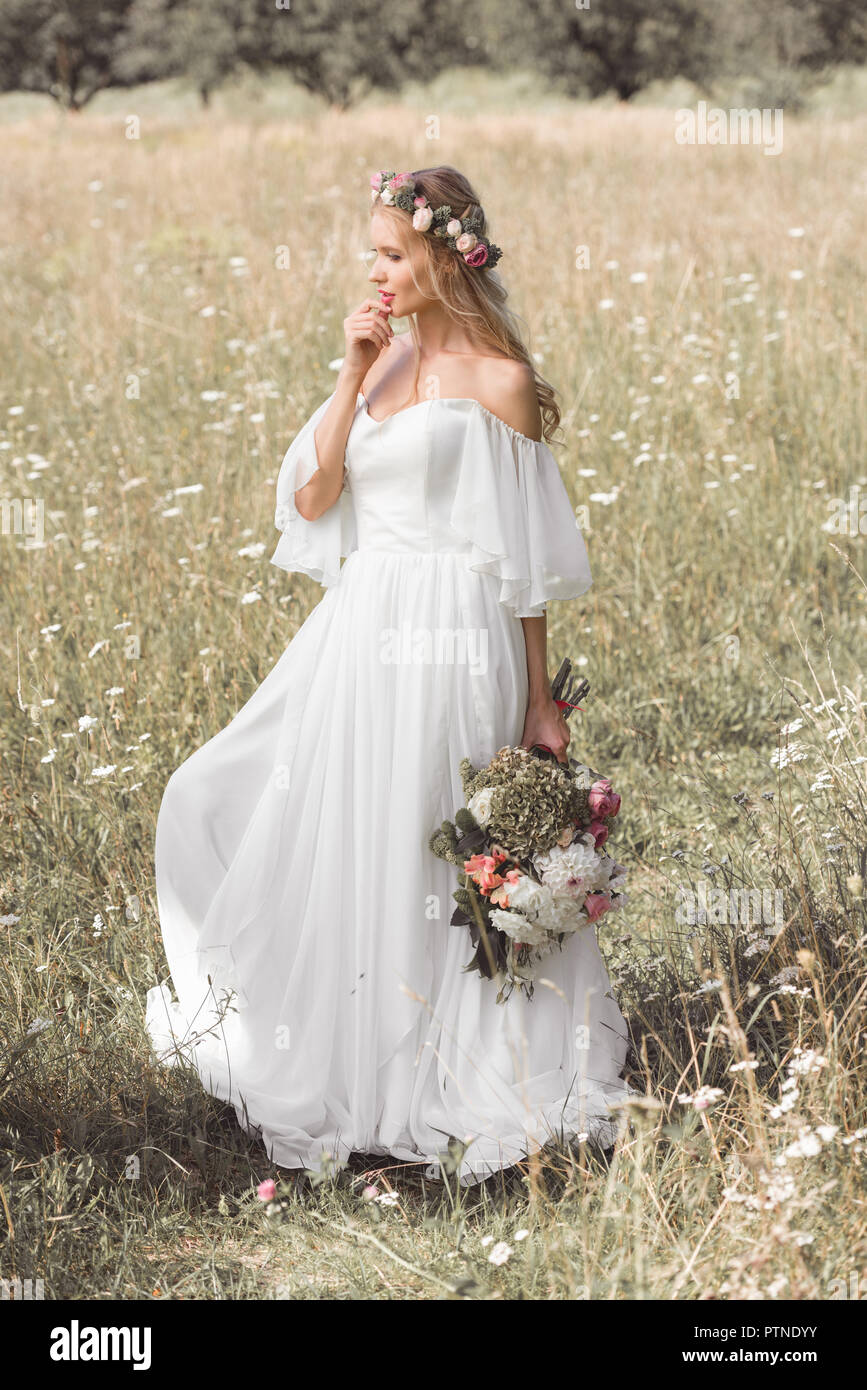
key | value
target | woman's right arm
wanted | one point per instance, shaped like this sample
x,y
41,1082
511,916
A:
x,y
367,332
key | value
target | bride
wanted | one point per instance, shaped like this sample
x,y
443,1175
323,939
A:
x,y
320,987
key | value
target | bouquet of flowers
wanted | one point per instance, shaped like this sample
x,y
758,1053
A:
x,y
529,848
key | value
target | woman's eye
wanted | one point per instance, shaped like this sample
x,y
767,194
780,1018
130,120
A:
x,y
393,257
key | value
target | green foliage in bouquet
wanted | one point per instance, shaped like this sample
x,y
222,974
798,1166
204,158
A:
x,y
456,841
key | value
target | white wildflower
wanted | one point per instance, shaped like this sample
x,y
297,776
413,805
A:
x,y
704,1098
792,727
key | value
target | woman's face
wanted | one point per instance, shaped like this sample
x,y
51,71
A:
x,y
390,271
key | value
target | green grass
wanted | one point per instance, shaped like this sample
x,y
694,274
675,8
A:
x,y
720,605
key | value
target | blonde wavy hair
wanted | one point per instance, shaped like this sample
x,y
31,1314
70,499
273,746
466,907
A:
x,y
473,298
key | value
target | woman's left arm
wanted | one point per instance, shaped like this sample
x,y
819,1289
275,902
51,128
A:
x,y
513,396
544,722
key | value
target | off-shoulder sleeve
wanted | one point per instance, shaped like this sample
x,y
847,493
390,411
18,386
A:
x,y
311,547
512,506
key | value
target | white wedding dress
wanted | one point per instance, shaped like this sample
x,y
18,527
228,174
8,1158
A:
x,y
291,858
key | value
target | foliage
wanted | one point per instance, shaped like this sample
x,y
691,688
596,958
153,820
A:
x,y
777,50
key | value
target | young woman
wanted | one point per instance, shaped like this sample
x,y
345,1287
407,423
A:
x,y
320,986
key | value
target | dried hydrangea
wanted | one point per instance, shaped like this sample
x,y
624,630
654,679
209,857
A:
x,y
531,800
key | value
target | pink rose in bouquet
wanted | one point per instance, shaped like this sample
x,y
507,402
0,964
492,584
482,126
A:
x,y
595,904
603,801
599,830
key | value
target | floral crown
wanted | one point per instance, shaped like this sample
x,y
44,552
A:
x,y
461,233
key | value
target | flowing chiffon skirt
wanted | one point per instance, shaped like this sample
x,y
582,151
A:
x,y
293,868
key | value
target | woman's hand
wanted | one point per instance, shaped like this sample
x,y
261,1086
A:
x,y
367,331
545,724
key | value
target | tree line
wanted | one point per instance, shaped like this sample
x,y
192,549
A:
x,y
341,49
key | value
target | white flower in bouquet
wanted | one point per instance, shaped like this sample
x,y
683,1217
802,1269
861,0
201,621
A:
x,y
530,897
480,805
574,869
566,914
518,927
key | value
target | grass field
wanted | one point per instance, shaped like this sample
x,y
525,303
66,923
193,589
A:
x,y
171,306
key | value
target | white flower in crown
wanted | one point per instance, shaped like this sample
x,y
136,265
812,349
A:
x,y
466,242
421,219
453,227
387,196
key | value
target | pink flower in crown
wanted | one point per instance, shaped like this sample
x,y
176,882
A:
x,y
466,241
376,180
595,904
420,201
421,219
400,180
603,802
478,255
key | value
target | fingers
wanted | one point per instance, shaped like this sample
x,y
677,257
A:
x,y
369,323
378,332
375,306
368,330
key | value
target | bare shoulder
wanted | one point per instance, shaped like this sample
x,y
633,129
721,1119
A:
x,y
508,389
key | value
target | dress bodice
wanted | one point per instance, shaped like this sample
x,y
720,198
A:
x,y
444,476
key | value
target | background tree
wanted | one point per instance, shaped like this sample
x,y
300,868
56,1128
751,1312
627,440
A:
x,y
343,51
205,41
620,46
771,53
66,50
758,52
